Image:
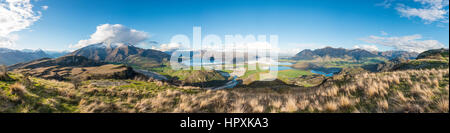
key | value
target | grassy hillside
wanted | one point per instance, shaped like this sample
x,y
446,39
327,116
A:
x,y
422,64
287,75
27,95
420,85
202,78
439,54
436,58
401,91
328,62
74,67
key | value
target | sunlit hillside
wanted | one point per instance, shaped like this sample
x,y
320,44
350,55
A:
x,y
401,91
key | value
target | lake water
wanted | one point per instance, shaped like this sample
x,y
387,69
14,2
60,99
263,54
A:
x,y
322,73
280,68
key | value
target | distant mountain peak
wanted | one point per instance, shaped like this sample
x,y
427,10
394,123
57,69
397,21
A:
x,y
10,56
122,53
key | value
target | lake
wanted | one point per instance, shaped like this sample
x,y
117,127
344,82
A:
x,y
281,66
322,73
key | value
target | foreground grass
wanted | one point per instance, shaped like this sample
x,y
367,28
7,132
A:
x,y
51,96
403,91
400,91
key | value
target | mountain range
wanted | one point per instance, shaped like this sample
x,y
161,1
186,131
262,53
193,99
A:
x,y
9,56
125,54
146,58
357,54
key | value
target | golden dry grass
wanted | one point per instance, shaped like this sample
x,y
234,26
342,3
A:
x,y
402,91
411,91
3,73
18,89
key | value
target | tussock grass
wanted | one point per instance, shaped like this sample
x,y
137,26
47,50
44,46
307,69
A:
x,y
401,91
18,89
4,73
411,91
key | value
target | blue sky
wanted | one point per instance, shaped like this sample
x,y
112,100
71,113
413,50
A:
x,y
299,24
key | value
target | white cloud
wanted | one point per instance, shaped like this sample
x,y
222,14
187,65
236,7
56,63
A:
x,y
431,10
114,34
385,3
412,43
8,41
168,47
44,7
434,3
366,47
15,15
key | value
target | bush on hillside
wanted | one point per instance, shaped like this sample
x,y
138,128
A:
x,y
4,73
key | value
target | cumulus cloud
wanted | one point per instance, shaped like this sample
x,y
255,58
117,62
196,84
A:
x,y
366,47
168,47
114,34
15,15
412,43
431,10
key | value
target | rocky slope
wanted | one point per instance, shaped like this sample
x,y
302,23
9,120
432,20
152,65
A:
x,y
70,67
